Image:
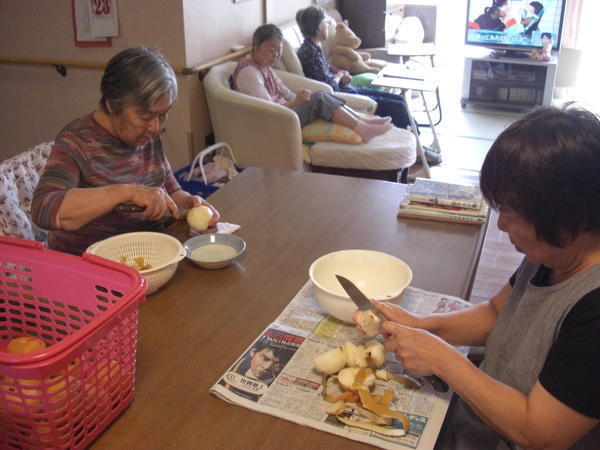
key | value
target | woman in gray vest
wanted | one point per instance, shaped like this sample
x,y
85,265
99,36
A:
x,y
539,385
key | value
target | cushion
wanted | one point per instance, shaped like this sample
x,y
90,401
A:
x,y
289,60
393,150
320,131
364,79
306,153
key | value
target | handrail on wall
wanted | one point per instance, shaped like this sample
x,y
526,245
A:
x,y
61,64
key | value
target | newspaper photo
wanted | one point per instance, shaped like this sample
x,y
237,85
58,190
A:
x,y
275,374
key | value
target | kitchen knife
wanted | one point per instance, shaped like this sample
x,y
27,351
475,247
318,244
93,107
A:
x,y
364,304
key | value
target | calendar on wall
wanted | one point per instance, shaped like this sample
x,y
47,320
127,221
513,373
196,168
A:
x,y
95,22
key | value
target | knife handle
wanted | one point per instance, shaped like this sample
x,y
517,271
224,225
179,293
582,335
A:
x,y
437,383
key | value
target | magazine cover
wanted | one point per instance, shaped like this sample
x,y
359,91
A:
x,y
258,367
439,192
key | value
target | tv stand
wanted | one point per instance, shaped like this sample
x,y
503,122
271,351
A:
x,y
506,83
498,54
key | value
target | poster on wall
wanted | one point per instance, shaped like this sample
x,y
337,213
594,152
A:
x,y
82,24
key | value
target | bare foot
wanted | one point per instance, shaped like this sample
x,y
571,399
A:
x,y
377,120
368,131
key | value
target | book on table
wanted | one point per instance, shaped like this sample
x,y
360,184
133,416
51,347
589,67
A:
x,y
442,201
425,190
443,213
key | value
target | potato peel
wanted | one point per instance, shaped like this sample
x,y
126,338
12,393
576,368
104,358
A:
x,y
393,432
381,409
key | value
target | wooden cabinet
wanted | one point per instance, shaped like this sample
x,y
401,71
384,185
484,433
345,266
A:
x,y
505,82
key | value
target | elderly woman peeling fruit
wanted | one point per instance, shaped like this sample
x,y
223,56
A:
x,y
114,155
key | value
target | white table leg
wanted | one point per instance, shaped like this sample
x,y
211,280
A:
x,y
436,143
413,126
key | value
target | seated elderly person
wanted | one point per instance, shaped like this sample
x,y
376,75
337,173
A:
x,y
114,156
538,386
254,76
312,24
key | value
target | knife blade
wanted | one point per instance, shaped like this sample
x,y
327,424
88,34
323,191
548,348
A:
x,y
360,300
364,304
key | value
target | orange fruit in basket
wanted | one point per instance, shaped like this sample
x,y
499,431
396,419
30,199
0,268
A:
x,y
25,344
14,400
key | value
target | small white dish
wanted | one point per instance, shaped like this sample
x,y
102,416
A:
x,y
214,250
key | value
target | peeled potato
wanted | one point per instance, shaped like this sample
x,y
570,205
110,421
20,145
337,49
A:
x,y
199,217
375,354
330,362
25,344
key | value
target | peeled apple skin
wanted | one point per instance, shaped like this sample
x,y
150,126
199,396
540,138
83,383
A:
x,y
347,376
199,217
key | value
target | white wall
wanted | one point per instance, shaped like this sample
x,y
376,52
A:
x,y
37,102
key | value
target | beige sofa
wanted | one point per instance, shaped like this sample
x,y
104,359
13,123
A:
x,y
265,134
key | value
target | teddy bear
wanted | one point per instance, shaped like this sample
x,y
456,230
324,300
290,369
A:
x,y
344,55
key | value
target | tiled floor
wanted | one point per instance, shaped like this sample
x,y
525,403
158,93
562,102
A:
x,y
465,137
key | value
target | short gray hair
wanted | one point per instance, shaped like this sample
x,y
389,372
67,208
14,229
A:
x,y
265,33
136,77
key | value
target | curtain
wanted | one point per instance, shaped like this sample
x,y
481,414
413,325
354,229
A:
x,y
571,23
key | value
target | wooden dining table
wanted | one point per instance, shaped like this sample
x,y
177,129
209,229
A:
x,y
201,321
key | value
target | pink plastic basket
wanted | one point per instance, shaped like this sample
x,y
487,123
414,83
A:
x,y
86,311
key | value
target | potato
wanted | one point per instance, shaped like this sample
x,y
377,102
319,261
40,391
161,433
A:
x,y
199,217
330,362
375,354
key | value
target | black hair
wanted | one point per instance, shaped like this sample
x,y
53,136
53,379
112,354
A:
x,y
265,33
490,9
309,19
548,35
537,7
278,351
545,166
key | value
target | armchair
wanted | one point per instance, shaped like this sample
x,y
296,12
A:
x,y
264,134
19,177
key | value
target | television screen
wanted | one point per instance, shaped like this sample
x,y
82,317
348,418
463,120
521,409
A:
x,y
514,24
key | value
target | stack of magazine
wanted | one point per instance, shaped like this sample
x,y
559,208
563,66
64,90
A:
x,y
448,202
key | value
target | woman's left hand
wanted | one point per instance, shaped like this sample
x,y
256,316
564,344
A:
x,y
188,201
417,349
198,201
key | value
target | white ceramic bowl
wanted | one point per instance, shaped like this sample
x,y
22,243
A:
x,y
378,275
161,251
215,250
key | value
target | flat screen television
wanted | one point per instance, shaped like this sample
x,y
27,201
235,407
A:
x,y
514,27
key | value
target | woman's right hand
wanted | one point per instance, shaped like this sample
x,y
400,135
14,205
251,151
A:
x,y
155,201
303,96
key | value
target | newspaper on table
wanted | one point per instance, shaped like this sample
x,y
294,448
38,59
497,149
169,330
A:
x,y
283,383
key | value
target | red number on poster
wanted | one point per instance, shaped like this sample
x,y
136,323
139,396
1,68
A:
x,y
101,7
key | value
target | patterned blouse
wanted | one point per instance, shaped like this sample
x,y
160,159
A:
x,y
315,66
85,155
